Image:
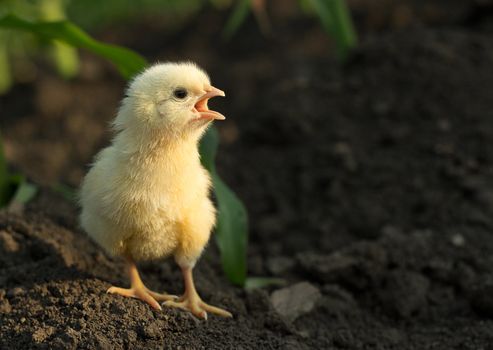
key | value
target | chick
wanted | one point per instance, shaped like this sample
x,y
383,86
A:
x,y
146,196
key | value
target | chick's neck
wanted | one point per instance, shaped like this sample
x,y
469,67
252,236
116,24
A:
x,y
151,146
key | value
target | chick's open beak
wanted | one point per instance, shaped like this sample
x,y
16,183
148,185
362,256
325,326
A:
x,y
201,108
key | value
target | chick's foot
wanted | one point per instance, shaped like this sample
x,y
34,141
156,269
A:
x,y
197,307
138,290
191,301
144,294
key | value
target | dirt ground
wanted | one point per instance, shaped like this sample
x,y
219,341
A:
x,y
369,187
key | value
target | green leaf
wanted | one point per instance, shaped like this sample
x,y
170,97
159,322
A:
x,y
5,75
126,61
323,13
336,19
238,16
260,282
24,191
232,220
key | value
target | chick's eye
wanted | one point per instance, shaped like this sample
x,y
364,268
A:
x,y
180,93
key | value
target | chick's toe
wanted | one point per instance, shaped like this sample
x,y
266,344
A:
x,y
197,307
144,294
191,301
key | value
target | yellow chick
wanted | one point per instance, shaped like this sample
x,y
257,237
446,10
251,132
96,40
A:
x,y
146,196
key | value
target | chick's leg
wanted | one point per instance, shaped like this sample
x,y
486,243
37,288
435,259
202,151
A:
x,y
138,290
191,300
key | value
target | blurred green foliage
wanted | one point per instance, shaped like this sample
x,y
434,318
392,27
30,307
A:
x,y
126,61
16,52
333,14
17,49
238,16
94,14
336,20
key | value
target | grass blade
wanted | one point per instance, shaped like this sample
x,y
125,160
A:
x,y
236,19
260,282
336,19
23,192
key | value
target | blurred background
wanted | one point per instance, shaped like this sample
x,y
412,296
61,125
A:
x,y
57,101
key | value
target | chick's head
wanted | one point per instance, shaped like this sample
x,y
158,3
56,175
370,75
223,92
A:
x,y
171,98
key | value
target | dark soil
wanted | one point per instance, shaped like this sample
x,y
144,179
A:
x,y
372,181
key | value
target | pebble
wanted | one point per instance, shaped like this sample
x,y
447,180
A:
x,y
296,300
458,240
8,242
41,334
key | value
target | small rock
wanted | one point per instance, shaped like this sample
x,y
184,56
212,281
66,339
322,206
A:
x,y
458,240
130,336
5,306
150,331
296,300
41,334
8,242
